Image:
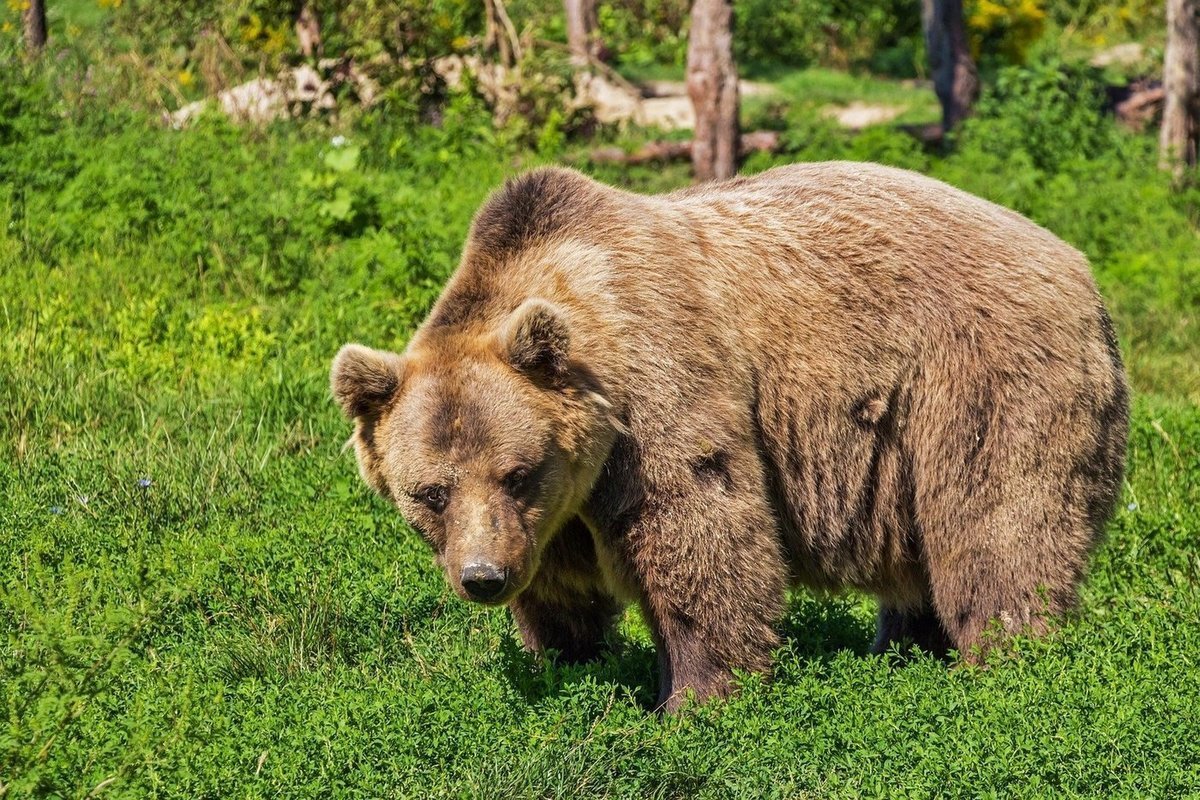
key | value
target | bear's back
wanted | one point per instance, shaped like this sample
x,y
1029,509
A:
x,y
840,218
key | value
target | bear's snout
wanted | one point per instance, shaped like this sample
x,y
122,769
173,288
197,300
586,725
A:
x,y
484,582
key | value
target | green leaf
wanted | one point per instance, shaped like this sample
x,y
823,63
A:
x,y
343,159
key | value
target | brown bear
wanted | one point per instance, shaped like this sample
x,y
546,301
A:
x,y
834,375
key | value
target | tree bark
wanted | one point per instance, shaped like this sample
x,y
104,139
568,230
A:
x,y
712,84
34,18
954,76
1179,138
583,38
499,35
308,31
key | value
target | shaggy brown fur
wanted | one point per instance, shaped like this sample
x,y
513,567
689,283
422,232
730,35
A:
x,y
839,375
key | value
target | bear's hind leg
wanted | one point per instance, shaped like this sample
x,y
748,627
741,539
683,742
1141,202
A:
x,y
1013,478
985,593
1012,576
1005,559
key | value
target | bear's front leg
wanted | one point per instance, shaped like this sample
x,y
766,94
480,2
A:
x,y
712,584
566,608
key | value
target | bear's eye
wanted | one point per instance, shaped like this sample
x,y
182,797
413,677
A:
x,y
433,497
517,481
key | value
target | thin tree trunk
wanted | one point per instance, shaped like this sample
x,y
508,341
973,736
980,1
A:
x,y
954,77
712,84
583,39
591,21
1180,135
499,34
35,25
308,31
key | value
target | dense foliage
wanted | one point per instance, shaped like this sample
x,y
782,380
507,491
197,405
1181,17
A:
x,y
199,598
170,51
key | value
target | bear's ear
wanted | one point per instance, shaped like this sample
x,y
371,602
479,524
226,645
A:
x,y
536,338
363,379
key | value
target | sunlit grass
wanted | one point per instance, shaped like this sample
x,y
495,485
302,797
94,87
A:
x,y
199,598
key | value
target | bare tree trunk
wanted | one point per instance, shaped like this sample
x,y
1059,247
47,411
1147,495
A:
x,y
308,30
712,84
35,25
954,77
500,35
583,36
592,22
1180,136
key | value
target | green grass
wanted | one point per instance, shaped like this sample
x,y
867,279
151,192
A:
x,y
817,87
810,90
253,622
78,15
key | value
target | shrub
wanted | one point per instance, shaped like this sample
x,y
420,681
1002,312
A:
x,y
1003,30
835,33
1046,115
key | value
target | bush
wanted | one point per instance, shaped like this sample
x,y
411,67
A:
x,y
1044,115
1002,31
836,33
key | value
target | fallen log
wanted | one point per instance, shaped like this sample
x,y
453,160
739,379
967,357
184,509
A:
x,y
1140,108
653,152
929,134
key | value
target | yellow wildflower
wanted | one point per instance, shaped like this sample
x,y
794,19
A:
x,y
276,39
252,29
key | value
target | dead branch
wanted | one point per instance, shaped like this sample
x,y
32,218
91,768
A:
x,y
653,152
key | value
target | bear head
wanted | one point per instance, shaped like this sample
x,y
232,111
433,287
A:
x,y
487,443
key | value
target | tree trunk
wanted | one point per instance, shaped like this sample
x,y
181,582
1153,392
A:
x,y
35,25
499,35
308,31
583,38
1180,136
712,84
954,77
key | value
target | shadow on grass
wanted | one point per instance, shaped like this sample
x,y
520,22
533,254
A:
x,y
819,628
814,629
629,666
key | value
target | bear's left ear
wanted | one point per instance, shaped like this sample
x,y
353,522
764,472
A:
x,y
536,339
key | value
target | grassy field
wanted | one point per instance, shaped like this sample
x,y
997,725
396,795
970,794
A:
x,y
199,598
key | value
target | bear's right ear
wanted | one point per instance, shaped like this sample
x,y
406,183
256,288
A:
x,y
536,339
363,379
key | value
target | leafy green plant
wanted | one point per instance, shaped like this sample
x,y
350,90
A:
x,y
1003,30
882,33
344,201
1048,113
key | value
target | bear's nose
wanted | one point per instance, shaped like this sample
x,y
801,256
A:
x,y
483,581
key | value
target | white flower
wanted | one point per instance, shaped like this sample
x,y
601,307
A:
x,y
338,141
